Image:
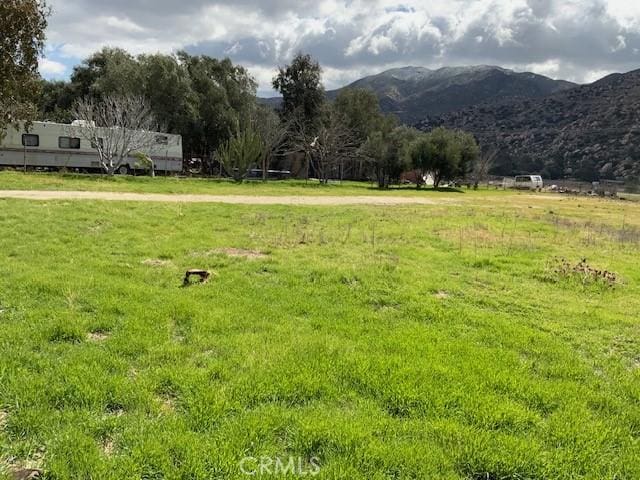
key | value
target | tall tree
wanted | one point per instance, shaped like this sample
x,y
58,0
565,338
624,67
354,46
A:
x,y
300,85
198,97
167,87
387,150
361,111
111,71
468,151
224,95
22,26
56,101
108,72
273,133
329,146
443,153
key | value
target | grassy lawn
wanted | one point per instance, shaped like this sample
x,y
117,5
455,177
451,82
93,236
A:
x,y
407,342
11,180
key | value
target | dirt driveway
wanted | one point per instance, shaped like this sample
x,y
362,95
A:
x,y
232,199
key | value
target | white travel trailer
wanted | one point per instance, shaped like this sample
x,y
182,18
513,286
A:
x,y
55,146
529,182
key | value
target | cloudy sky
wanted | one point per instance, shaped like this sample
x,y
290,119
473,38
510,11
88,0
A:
x,y
579,40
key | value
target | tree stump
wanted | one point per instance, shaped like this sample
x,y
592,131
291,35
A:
x,y
204,276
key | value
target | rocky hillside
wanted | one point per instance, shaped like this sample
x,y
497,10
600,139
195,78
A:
x,y
589,132
412,93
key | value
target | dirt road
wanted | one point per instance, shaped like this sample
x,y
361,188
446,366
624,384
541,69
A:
x,y
232,199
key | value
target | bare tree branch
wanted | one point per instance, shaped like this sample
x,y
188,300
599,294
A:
x,y
482,165
117,127
273,132
327,147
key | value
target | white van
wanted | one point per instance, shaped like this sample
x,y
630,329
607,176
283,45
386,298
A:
x,y
529,182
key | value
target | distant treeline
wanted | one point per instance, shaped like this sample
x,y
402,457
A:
x,y
212,103
198,97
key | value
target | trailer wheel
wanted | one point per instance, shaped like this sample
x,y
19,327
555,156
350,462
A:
x,y
123,170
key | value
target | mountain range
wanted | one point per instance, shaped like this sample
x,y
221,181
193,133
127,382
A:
x,y
411,93
590,132
536,124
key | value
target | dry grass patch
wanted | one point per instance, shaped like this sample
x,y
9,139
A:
x,y
97,337
157,263
108,447
240,253
627,348
4,416
114,413
167,405
441,295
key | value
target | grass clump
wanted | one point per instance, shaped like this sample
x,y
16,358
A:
x,y
582,273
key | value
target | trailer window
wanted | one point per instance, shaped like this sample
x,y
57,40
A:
x,y
30,140
162,140
69,143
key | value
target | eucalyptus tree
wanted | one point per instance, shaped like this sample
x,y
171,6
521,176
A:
x,y
300,84
22,37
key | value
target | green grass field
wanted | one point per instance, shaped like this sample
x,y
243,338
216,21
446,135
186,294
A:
x,y
407,342
12,180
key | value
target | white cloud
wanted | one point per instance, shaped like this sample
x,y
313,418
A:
x,y
51,68
622,44
594,75
550,68
626,12
122,24
566,38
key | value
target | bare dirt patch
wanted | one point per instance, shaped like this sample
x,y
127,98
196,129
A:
x,y
24,469
231,199
25,473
